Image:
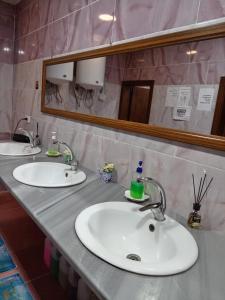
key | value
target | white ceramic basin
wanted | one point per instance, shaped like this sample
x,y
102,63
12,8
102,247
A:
x,y
18,149
48,174
114,230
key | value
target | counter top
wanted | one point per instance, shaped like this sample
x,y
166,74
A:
x,y
55,211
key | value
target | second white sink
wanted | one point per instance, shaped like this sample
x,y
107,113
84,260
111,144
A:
x,y
48,174
132,240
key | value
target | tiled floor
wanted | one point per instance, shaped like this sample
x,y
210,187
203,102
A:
x,y
25,242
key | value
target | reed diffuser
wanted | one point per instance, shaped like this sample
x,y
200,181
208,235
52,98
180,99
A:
x,y
194,218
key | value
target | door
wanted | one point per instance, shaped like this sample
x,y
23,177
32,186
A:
x,y
135,101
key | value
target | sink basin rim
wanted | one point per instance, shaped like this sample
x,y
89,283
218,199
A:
x,y
18,172
167,268
19,152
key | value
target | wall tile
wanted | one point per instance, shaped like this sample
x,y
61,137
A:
x,y
96,32
62,8
173,13
7,9
211,10
6,26
215,71
6,56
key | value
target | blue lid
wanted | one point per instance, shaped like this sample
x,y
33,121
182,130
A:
x,y
139,169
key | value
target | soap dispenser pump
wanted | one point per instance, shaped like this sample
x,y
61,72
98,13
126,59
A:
x,y
137,187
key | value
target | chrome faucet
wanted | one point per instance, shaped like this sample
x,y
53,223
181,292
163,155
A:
x,y
27,133
70,159
158,208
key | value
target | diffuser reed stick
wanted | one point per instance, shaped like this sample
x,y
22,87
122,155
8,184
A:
x,y
194,218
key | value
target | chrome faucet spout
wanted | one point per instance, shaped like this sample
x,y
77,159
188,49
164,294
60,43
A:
x,y
158,208
72,161
32,142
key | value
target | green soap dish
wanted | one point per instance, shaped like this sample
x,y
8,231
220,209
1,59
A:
x,y
53,153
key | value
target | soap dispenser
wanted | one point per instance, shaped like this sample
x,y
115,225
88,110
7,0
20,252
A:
x,y
53,146
137,187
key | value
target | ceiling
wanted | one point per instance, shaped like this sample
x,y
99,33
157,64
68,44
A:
x,y
14,2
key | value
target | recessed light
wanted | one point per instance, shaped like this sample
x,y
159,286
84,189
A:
x,y
21,52
6,49
191,52
107,17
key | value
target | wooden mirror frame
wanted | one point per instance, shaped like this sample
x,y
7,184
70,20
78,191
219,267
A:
x,y
202,33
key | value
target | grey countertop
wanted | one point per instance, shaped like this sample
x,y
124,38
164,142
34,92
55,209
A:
x,y
55,211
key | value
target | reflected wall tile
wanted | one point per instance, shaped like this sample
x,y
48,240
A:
x,y
197,73
62,8
114,75
171,55
132,74
215,72
116,61
208,50
211,10
140,59
166,75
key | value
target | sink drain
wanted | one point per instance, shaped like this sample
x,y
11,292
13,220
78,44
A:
x,y
134,257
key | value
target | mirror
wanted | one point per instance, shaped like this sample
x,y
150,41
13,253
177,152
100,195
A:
x,y
171,91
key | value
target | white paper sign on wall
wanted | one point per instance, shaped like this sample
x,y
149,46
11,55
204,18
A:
x,y
182,113
184,96
205,99
172,96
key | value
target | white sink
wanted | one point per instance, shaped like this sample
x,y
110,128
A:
x,y
114,230
18,149
48,174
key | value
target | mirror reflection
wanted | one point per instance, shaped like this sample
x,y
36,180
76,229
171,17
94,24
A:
x,y
169,86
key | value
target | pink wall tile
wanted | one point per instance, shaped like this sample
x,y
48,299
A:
x,y
62,8
6,56
215,71
208,50
94,31
45,11
7,9
211,9
33,46
6,26
155,16
59,36
197,73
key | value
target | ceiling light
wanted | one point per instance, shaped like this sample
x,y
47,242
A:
x,y
21,52
6,49
107,17
191,52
